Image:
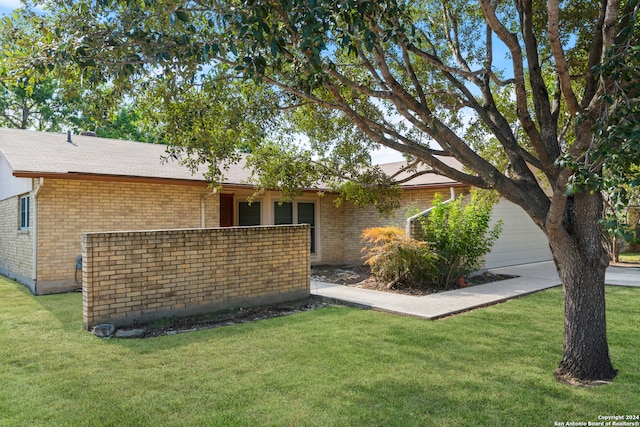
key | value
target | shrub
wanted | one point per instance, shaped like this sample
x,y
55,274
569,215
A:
x,y
397,259
460,235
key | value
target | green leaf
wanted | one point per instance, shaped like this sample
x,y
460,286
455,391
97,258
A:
x,y
274,47
182,16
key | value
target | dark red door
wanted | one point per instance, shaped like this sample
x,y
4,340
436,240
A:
x,y
226,210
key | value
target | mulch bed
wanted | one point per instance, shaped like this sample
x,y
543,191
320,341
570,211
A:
x,y
360,276
172,326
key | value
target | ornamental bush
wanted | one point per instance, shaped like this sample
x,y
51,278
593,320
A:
x,y
396,259
459,234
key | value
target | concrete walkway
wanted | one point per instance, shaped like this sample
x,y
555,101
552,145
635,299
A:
x,y
532,278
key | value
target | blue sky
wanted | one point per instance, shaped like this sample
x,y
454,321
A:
x,y
8,5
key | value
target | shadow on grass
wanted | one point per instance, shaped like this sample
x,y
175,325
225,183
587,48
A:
x,y
67,310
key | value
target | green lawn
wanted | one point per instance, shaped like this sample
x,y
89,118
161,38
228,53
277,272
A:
x,y
630,257
336,366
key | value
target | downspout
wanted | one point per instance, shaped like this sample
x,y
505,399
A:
x,y
424,213
34,235
202,209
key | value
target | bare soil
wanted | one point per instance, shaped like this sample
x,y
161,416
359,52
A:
x,y
172,326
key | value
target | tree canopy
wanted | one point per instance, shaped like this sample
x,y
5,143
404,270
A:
x,y
535,99
39,93
425,78
27,99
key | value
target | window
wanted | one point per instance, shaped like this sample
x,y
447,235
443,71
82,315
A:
x,y
24,212
306,215
283,213
248,214
304,212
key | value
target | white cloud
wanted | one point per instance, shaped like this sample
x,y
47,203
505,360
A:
x,y
10,4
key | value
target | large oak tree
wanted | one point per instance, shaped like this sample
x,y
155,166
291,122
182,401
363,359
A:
x,y
511,89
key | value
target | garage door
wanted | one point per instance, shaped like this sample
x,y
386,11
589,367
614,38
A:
x,y
520,242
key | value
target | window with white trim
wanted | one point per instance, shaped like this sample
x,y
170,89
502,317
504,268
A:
x,y
25,211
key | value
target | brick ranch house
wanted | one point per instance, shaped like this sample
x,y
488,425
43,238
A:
x,y
52,190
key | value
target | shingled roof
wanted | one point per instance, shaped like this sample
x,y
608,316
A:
x,y
42,154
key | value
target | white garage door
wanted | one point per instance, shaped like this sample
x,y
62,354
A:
x,y
520,242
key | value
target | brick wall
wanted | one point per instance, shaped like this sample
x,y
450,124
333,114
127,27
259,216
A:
x,y
342,226
16,246
331,230
139,276
68,208
357,219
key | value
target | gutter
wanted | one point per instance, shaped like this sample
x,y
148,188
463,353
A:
x,y
34,273
424,213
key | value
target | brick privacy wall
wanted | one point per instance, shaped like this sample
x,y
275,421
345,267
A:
x,y
68,208
16,246
139,276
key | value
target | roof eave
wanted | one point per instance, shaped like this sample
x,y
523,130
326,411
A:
x,y
189,182
106,177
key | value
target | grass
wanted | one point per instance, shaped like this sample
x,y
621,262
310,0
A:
x,y
335,366
630,257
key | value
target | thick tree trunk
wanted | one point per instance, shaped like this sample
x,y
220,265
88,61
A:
x,y
581,261
585,350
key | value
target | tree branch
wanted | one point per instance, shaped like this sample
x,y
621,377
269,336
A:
x,y
511,41
547,150
595,53
562,68
412,75
376,132
11,120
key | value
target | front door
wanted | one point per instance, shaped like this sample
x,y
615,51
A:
x,y
226,210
